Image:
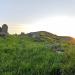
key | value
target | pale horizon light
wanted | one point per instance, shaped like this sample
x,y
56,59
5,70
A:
x,y
54,16
59,25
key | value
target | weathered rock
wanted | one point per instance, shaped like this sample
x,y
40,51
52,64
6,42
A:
x,y
57,47
4,30
22,34
35,35
0,29
3,34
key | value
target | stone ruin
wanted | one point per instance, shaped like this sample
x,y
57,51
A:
x,y
4,30
22,34
35,35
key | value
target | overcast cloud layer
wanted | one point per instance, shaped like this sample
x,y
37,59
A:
x,y
56,16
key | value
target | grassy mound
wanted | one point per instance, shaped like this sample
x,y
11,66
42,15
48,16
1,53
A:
x,y
23,55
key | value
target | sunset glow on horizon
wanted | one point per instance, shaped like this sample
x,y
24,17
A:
x,y
59,25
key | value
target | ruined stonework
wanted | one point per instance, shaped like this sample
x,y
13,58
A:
x,y
4,30
35,35
22,34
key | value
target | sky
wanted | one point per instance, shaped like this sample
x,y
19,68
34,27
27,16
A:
x,y
55,16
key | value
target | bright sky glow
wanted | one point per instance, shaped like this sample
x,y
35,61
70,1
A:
x,y
60,25
55,16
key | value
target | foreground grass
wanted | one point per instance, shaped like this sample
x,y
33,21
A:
x,y
25,56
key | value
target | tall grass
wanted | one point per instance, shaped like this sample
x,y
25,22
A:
x,y
24,56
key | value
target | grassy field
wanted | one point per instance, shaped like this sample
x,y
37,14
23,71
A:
x,y
23,55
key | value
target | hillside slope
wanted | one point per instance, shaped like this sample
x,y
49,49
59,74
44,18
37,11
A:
x,y
47,36
36,55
